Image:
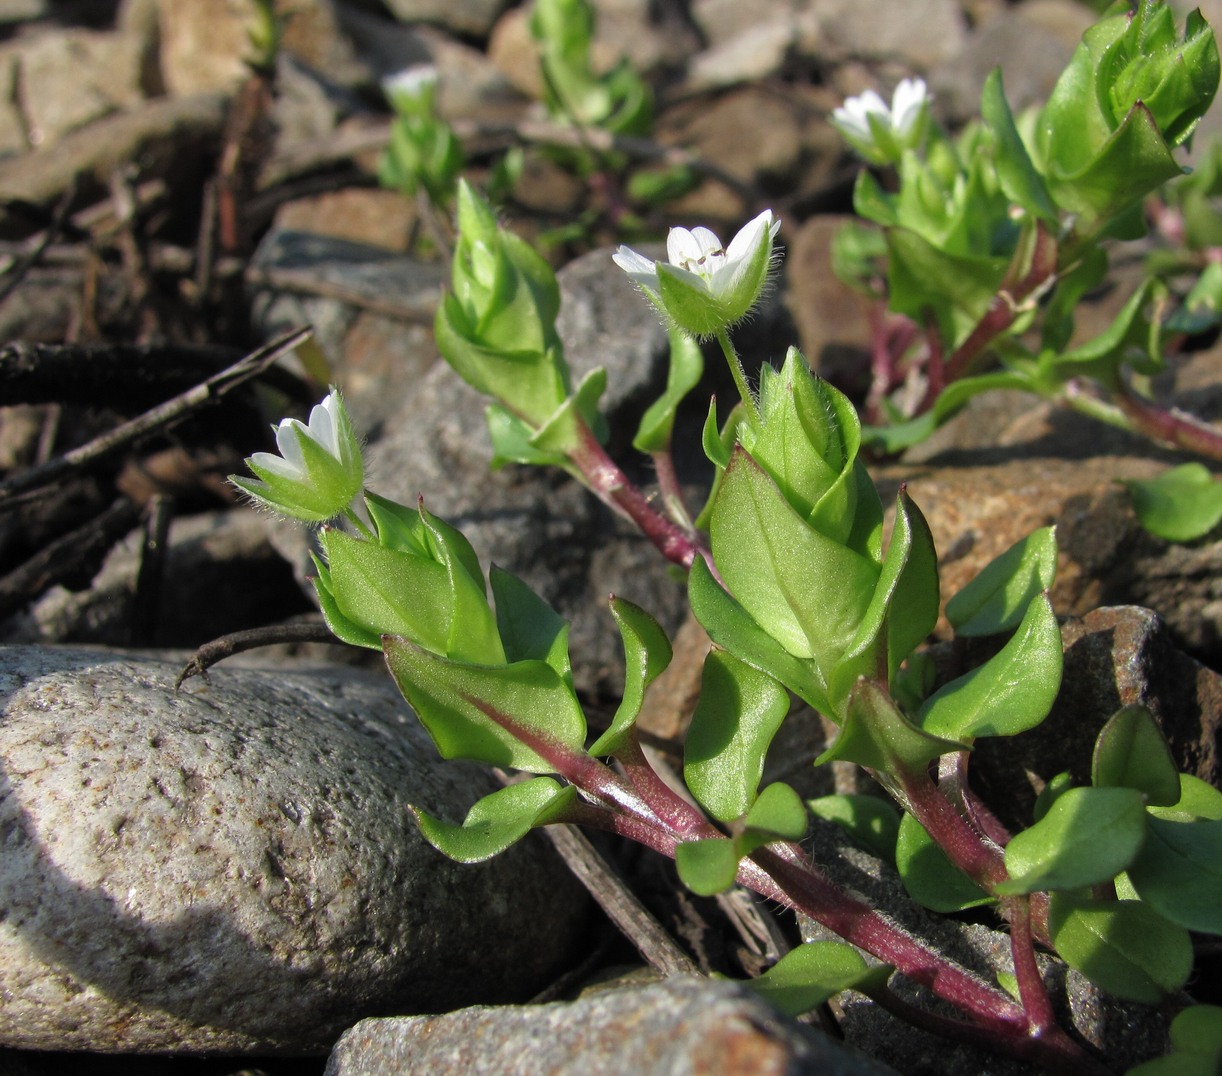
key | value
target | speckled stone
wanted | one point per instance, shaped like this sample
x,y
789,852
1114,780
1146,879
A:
x,y
232,868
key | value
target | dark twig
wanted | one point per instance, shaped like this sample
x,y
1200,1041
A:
x,y
17,272
303,631
154,420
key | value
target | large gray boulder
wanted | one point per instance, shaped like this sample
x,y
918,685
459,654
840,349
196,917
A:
x,y
232,868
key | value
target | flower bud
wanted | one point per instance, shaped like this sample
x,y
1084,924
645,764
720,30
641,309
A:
x,y
319,471
880,133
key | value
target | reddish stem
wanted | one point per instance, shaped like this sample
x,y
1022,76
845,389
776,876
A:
x,y
1171,427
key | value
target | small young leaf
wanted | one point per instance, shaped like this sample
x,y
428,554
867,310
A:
x,y
503,715
810,974
876,735
739,711
995,600
496,821
1198,799
1015,171
531,630
647,652
1123,946
1057,786
1179,873
778,814
1132,752
707,867
1011,692
929,876
686,369
1089,835
871,821
1180,505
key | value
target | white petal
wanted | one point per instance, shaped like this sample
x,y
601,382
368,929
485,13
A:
x,y
750,236
906,104
682,247
290,448
277,465
642,270
324,425
411,80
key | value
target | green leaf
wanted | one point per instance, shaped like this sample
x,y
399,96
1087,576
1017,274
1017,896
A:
x,y
1123,946
870,821
929,876
739,712
1131,339
707,867
1179,873
531,630
1011,692
647,652
683,375
876,735
1181,505
340,626
731,627
1198,799
1196,1045
1132,752
1056,787
913,610
778,814
1017,174
810,974
523,716
496,821
1088,836
996,599
563,432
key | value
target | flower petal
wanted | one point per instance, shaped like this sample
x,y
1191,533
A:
x,y
642,270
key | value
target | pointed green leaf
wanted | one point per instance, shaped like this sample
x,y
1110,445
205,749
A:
x,y
872,822
647,652
563,432
876,735
497,821
810,974
1015,170
1011,692
1179,873
1132,752
707,867
929,876
731,627
531,630
737,715
1123,946
1088,836
522,716
996,599
684,373
340,626
1181,505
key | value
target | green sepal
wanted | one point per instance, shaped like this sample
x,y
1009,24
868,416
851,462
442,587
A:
x,y
531,630
1016,172
876,735
647,652
1011,692
338,624
1123,946
497,821
736,717
1088,836
872,822
1180,505
1179,873
521,716
998,597
730,626
929,877
1132,752
707,867
683,374
810,974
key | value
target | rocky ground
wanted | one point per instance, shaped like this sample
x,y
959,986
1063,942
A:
x,y
225,873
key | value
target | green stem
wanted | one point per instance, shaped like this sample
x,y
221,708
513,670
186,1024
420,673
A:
x,y
740,378
351,516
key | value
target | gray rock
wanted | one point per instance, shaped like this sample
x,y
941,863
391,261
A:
x,y
473,18
232,868
926,34
680,1027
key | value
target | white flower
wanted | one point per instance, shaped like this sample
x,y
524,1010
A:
x,y
706,287
412,90
881,133
319,470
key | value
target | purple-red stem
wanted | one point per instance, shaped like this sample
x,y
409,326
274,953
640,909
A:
x,y
1171,427
1040,1016
979,858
